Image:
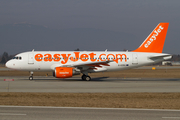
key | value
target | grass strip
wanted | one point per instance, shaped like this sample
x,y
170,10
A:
x,y
104,100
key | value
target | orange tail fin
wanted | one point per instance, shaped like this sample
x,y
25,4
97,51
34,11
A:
x,y
155,41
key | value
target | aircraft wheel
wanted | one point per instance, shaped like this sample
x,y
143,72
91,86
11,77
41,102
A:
x,y
83,77
31,78
88,78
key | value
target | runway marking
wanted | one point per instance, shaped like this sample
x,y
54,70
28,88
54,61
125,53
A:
x,y
8,79
173,110
171,117
11,114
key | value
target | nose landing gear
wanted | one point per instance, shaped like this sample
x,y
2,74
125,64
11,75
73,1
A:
x,y
31,75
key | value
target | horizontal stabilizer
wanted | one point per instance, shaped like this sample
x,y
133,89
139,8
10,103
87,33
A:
x,y
165,57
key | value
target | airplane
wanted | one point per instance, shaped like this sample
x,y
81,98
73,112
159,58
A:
x,y
65,64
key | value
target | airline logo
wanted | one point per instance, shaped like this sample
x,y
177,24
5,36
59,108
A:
x,y
63,72
64,58
153,37
155,41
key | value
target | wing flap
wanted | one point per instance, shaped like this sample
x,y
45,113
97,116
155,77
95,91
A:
x,y
89,63
86,65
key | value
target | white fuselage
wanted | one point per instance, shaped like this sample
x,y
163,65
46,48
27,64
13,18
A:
x,y
49,60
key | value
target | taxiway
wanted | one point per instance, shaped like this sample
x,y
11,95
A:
x,y
97,85
75,113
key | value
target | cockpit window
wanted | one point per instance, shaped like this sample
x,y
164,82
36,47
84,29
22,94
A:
x,y
15,57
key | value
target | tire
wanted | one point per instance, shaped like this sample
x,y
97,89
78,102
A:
x,y
83,77
88,78
31,78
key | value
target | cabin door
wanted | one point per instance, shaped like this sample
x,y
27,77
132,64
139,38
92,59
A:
x,y
30,58
135,59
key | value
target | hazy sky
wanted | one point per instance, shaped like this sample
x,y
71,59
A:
x,y
138,17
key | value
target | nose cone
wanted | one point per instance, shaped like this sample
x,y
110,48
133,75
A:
x,y
8,64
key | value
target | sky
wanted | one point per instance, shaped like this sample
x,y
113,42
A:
x,y
136,17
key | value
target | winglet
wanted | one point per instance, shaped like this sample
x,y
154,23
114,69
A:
x,y
155,41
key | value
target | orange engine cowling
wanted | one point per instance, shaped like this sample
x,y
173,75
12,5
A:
x,y
64,72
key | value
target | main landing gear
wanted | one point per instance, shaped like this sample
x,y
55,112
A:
x,y
86,77
31,75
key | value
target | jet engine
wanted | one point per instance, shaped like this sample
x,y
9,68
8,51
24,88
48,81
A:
x,y
65,72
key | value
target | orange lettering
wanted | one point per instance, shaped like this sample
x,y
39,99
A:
x,y
92,57
76,57
56,57
48,57
84,57
121,55
101,58
65,58
38,57
110,55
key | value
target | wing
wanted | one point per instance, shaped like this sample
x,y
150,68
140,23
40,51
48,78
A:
x,y
85,65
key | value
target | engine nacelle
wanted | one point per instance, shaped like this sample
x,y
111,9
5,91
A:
x,y
65,72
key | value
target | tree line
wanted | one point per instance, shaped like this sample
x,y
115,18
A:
x,y
5,57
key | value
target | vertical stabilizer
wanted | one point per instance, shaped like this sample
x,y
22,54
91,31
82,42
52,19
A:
x,y
155,41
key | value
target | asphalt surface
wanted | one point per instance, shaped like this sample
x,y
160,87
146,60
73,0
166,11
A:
x,y
76,85
65,113
96,85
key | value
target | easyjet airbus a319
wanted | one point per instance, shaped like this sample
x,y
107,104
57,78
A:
x,y
65,64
